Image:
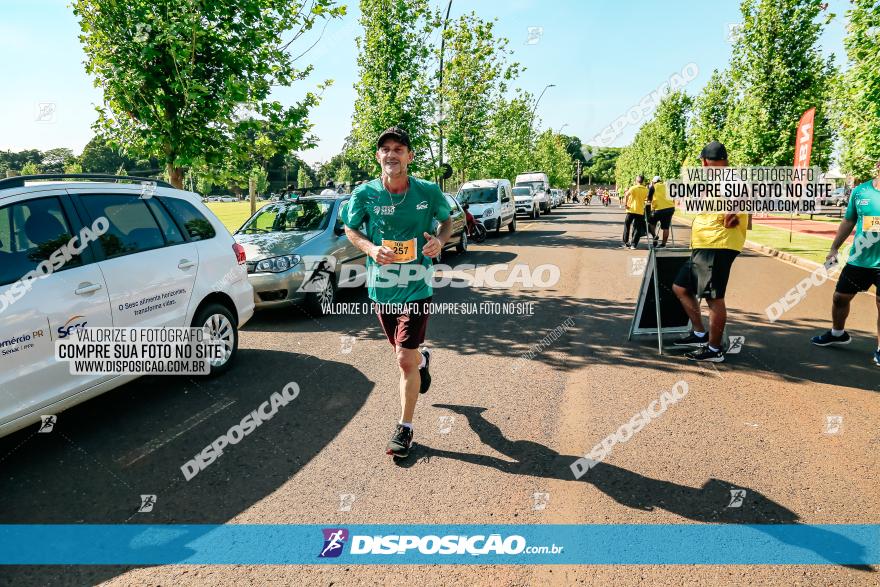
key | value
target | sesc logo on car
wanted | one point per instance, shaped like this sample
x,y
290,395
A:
x,y
64,331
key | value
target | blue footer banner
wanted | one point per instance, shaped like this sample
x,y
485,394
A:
x,y
618,544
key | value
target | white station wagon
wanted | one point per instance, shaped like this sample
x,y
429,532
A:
x,y
81,253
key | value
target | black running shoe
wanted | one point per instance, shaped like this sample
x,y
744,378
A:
x,y
625,246
877,357
829,339
399,444
423,372
704,353
691,340
661,246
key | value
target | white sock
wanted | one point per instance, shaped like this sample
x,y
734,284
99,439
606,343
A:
x,y
837,332
713,349
699,333
406,424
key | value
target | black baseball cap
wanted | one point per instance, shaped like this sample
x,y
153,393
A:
x,y
396,133
714,151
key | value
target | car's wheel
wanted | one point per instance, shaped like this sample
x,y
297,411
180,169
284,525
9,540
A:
x,y
324,294
462,245
535,213
221,325
512,226
498,227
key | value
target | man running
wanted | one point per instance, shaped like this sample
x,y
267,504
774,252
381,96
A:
x,y
716,240
662,209
395,212
636,196
862,269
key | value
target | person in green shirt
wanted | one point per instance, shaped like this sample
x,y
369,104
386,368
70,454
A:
x,y
862,269
390,219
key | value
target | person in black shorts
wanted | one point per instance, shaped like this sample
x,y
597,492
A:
x,y
862,269
716,241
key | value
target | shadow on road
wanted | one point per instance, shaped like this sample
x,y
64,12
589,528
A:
x,y
704,504
107,452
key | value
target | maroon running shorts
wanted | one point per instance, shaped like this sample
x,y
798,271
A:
x,y
405,329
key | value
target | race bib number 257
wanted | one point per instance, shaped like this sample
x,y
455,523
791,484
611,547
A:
x,y
404,251
870,223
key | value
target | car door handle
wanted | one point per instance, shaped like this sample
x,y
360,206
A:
x,y
87,288
185,264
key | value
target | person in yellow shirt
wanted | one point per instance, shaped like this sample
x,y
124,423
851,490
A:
x,y
661,210
635,199
716,240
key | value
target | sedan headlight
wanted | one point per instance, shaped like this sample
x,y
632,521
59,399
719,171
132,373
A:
x,y
488,212
277,264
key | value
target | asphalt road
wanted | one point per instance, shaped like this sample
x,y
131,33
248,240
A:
x,y
492,431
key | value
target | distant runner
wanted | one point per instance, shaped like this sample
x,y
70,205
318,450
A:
x,y
397,211
635,198
662,209
862,269
716,241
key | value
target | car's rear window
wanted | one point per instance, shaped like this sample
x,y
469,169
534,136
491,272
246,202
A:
x,y
190,219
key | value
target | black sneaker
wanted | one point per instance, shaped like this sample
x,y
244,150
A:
x,y
877,357
423,372
399,444
624,246
691,340
829,339
704,353
661,246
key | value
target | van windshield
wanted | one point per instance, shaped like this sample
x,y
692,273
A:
x,y
519,192
478,195
538,186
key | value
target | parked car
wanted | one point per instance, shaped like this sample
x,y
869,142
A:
x,y
491,202
168,246
540,183
459,238
526,201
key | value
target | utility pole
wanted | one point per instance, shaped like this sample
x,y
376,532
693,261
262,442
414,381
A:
x,y
578,179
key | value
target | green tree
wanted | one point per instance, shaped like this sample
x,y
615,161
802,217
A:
x,y
302,179
660,145
858,96
99,157
509,138
779,71
712,110
601,166
475,76
73,167
392,86
30,168
174,72
16,160
55,160
551,157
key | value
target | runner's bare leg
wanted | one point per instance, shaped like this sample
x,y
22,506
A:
x,y
840,310
691,306
408,360
717,320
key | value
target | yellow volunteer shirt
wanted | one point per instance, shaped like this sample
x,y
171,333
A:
x,y
661,200
638,194
708,232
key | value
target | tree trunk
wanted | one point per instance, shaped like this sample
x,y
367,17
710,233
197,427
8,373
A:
x,y
175,175
252,188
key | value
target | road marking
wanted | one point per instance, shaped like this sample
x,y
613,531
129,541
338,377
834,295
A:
x,y
182,428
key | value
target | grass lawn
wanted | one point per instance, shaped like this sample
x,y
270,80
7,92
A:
x,y
808,246
232,214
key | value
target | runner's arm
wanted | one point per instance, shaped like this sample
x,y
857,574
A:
x,y
843,232
381,255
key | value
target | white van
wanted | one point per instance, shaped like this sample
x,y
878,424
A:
x,y
167,246
491,202
538,181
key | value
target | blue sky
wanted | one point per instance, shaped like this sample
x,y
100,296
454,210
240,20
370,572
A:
x,y
602,55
